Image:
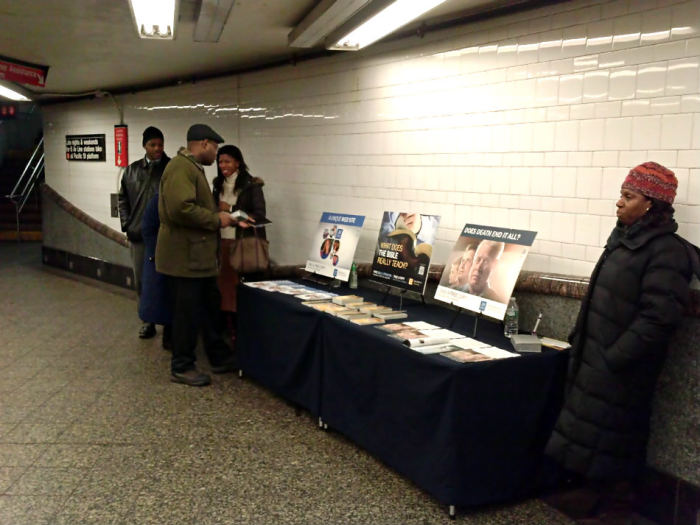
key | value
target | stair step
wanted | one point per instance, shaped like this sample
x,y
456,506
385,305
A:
x,y
32,235
23,226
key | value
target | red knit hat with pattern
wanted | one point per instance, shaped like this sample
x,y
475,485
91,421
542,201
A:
x,y
652,180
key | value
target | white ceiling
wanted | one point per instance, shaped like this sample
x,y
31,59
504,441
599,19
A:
x,y
92,44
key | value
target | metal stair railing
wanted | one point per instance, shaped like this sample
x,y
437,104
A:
x,y
27,181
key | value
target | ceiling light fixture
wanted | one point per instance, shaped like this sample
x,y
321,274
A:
x,y
378,20
12,91
154,19
212,18
322,19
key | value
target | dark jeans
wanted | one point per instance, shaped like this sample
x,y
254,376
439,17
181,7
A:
x,y
196,308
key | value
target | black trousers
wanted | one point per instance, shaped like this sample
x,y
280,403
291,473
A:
x,y
196,303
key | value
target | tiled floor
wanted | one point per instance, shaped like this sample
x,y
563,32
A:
x,y
93,432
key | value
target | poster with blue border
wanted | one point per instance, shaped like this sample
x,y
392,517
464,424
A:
x,y
333,246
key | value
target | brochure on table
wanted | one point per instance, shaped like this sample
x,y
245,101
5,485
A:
x,y
333,247
404,249
483,267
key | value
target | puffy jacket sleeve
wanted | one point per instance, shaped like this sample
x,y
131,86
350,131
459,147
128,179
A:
x,y
179,194
664,296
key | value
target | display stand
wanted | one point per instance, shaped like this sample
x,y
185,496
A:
x,y
402,291
326,282
477,316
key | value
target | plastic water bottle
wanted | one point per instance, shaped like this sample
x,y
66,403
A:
x,y
352,281
510,321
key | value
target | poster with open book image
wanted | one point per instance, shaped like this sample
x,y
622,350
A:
x,y
483,267
333,245
404,248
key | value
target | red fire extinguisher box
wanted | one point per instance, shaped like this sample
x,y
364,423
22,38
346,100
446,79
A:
x,y
121,145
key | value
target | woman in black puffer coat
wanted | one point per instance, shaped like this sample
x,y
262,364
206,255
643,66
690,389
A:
x,y
636,297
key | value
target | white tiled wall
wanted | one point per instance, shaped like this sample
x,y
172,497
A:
x,y
527,121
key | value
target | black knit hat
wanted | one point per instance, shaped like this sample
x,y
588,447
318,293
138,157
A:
x,y
151,133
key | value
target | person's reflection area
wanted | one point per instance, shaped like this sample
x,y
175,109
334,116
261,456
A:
x,y
485,260
451,278
465,266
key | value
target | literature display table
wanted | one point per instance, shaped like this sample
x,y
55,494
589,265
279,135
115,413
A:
x,y
467,433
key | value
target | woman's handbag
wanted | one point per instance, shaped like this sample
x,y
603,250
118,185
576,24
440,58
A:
x,y
250,254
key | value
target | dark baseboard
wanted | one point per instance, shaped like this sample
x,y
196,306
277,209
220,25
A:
x,y
667,499
89,267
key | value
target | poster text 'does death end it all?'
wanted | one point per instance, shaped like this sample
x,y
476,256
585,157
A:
x,y
85,148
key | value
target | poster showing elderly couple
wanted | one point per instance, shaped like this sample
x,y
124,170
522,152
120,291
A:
x,y
333,246
404,249
483,267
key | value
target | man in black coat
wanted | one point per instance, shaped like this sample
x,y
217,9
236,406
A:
x,y
139,183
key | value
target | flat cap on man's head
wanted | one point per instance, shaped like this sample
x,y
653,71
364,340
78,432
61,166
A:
x,y
203,132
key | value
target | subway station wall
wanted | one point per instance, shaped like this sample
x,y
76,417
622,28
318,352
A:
x,y
529,121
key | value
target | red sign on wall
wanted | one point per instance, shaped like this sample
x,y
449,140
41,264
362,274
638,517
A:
x,y
121,145
23,72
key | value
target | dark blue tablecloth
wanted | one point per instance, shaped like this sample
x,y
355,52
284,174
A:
x,y
467,433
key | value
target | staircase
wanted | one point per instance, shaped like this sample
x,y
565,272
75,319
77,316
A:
x,y
26,197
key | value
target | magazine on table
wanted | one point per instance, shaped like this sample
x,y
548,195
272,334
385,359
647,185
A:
x,y
366,320
316,296
407,325
388,315
348,299
465,356
279,286
467,344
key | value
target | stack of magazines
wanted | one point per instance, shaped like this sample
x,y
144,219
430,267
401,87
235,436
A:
x,y
355,309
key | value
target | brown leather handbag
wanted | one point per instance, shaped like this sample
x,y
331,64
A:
x,y
250,254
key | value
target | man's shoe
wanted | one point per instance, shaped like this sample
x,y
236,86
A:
x,y
147,331
190,377
225,368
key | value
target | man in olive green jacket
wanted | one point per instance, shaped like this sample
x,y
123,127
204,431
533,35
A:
x,y
187,252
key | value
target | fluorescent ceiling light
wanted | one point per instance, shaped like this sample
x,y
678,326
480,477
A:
x,y
397,14
13,92
154,18
322,19
212,18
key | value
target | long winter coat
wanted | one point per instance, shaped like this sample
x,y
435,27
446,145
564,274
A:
x,y
189,220
154,304
636,298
